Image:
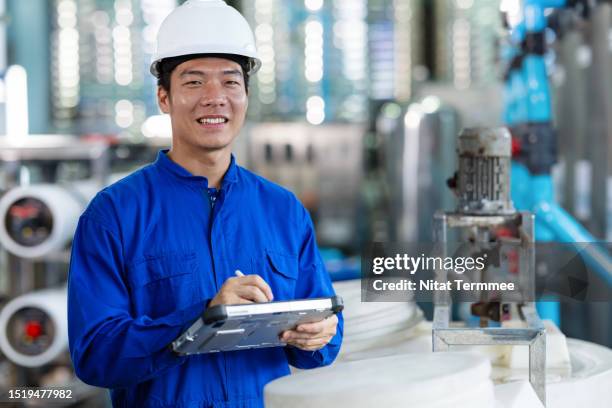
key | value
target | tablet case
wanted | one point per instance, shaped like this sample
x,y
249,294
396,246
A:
x,y
254,325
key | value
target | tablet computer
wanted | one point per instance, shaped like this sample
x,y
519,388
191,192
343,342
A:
x,y
253,325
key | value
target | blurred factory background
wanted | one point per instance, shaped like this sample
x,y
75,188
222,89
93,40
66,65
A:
x,y
356,109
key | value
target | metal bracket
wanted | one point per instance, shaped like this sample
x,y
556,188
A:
x,y
534,335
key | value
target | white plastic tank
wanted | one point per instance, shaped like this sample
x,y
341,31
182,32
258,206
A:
x,y
384,332
453,380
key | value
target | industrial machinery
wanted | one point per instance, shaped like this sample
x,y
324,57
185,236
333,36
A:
x,y
47,182
486,224
321,164
417,155
581,79
528,113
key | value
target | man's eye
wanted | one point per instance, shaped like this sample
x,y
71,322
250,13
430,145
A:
x,y
193,83
233,83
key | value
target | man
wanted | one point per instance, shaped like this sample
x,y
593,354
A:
x,y
152,251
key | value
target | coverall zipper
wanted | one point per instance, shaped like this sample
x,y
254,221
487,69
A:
x,y
213,194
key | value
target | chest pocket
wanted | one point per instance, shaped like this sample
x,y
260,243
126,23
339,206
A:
x,y
280,271
163,284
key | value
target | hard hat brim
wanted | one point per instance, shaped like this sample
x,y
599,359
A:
x,y
221,49
249,65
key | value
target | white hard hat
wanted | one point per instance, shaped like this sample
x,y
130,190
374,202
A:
x,y
205,27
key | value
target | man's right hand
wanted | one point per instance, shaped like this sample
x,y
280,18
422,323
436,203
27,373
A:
x,y
243,289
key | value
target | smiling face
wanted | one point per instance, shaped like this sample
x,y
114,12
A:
x,y
207,104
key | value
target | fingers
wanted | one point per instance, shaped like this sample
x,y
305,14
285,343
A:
x,y
237,300
291,335
318,327
252,293
294,334
257,281
228,298
243,289
311,328
312,336
310,344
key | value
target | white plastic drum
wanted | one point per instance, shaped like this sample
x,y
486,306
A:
x,y
369,325
437,380
414,340
590,384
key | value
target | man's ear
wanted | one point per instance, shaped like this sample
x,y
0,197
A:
x,y
163,99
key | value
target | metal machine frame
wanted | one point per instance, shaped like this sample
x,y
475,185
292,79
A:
x,y
534,335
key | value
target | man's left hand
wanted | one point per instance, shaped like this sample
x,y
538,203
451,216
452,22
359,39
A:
x,y
312,336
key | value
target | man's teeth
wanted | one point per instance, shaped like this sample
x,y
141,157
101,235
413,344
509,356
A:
x,y
212,120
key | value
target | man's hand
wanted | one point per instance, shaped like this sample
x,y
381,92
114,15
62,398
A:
x,y
243,289
312,336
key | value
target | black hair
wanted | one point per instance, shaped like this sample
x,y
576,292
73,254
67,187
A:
x,y
167,65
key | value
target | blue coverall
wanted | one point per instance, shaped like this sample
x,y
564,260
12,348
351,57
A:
x,y
151,251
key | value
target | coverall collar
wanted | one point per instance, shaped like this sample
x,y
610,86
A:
x,y
163,162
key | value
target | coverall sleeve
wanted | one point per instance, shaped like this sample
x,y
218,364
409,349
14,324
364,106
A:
x,y
313,281
110,347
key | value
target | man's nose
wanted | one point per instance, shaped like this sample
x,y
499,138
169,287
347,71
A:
x,y
213,95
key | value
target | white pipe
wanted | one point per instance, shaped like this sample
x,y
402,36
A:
x,y
16,102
